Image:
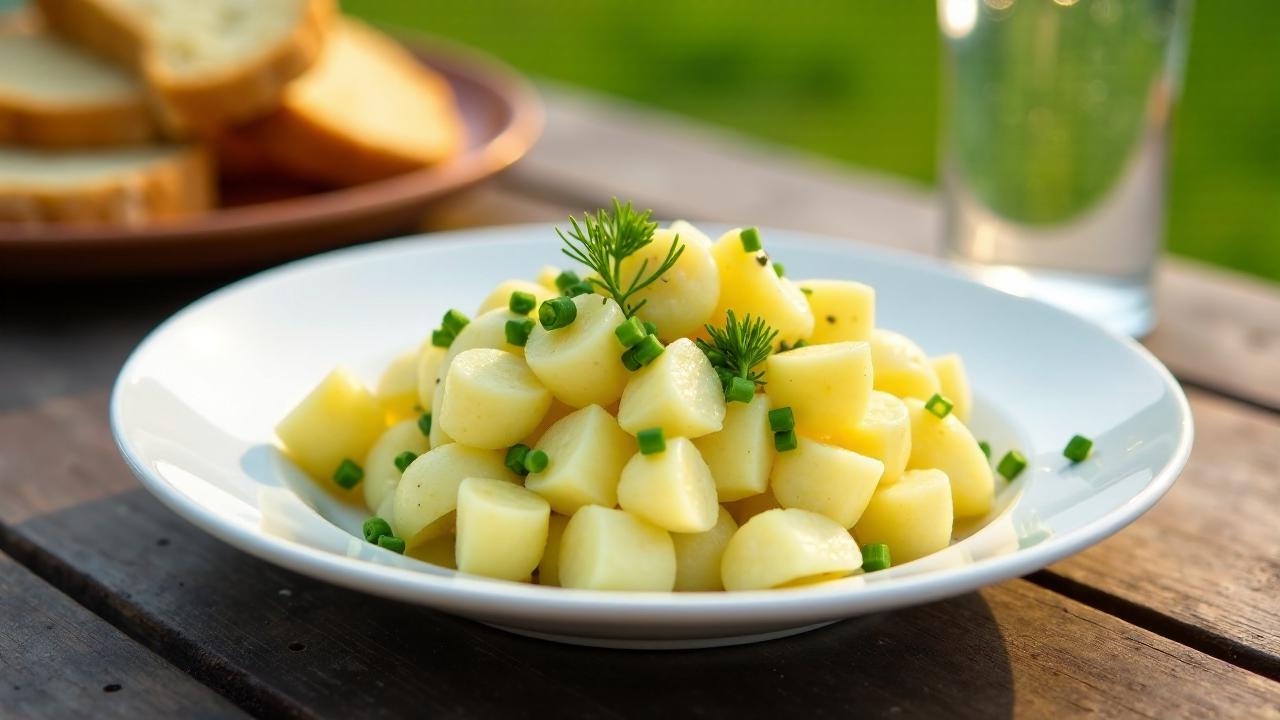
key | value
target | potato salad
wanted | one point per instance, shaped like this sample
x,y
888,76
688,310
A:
x,y
672,412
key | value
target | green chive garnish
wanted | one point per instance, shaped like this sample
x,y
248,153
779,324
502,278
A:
x,y
582,288
938,406
404,459
651,328
778,269
515,458
518,331
643,352
535,461
454,321
750,238
806,291
875,557
557,313
348,474
394,544
567,279
782,419
375,527
442,338
651,441
985,447
784,441
1078,448
1011,465
522,303
740,390
630,332
799,344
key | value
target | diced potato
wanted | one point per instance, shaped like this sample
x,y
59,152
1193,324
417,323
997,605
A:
x,y
681,301
749,285
955,383
901,367
547,278
387,508
427,494
554,414
338,420
826,386
689,233
438,435
430,358
741,454
582,363
678,392
491,399
747,508
437,551
825,479
381,476
397,389
502,529
500,298
587,451
843,310
778,547
672,489
946,444
487,330
913,516
549,568
607,549
698,555
884,434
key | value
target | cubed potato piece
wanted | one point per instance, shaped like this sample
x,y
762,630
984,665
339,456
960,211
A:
x,y
397,389
678,392
587,451
338,420
387,508
901,367
912,516
381,476
689,233
682,300
438,435
427,494
487,330
547,278
698,555
884,434
672,489
502,529
825,479
778,547
491,399
741,454
500,298
947,445
581,364
430,358
747,508
554,414
955,384
549,568
827,387
749,285
843,310
438,551
607,549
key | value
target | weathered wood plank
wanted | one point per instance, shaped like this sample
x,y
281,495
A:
x,y
57,660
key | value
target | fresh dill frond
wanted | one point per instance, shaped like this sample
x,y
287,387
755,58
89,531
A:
x,y
603,241
736,349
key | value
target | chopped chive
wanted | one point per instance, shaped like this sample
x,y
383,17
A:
x,y
1078,448
404,459
647,350
375,527
630,332
566,279
515,458
784,441
557,313
348,474
580,288
424,424
717,361
985,447
651,441
442,338
750,238
1011,465
454,321
784,346
875,557
806,291
651,328
629,360
517,331
740,390
799,344
522,303
938,406
762,258
535,461
782,419
389,542
779,270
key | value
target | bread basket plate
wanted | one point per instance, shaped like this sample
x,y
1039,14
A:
x,y
502,117
193,412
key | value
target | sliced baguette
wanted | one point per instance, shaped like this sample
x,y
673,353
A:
x,y
123,186
208,63
367,110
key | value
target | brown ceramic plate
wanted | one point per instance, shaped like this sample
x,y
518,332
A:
x,y
262,224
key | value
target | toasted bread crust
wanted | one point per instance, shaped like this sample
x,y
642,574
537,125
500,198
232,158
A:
x,y
60,127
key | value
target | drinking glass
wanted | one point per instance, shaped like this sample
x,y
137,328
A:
x,y
1055,145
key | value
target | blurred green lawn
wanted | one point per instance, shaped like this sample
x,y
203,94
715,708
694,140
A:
x,y
858,80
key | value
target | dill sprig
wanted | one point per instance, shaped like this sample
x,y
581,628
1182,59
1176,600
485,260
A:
x,y
603,241
735,350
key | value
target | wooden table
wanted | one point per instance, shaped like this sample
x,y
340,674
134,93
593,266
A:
x,y
111,606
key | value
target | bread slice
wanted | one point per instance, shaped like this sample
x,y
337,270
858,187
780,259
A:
x,y
367,110
125,186
54,95
209,63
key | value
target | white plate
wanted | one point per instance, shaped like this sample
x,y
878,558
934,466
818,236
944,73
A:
x,y
194,406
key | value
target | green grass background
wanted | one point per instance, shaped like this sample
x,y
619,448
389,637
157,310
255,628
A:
x,y
858,80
